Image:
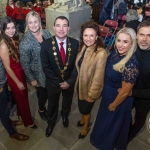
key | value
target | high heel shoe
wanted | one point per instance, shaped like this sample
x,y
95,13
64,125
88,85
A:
x,y
79,124
34,127
82,136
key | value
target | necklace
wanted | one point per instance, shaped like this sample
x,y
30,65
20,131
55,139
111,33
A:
x,y
56,58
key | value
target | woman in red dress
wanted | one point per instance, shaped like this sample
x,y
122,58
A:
x,y
18,16
14,71
10,8
27,9
38,7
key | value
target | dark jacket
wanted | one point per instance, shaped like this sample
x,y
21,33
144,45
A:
x,y
106,11
142,87
133,24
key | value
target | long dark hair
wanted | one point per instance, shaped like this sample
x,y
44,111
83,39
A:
x,y
99,42
13,49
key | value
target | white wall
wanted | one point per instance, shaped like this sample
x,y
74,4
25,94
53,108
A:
x,y
3,8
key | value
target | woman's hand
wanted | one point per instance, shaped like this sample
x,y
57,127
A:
x,y
34,83
111,107
89,100
1,89
20,86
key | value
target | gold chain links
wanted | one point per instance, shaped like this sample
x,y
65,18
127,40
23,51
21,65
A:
x,y
56,58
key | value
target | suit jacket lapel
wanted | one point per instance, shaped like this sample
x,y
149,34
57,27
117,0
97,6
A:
x,y
66,49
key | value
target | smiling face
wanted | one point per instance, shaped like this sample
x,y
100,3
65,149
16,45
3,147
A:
x,y
33,24
10,2
89,36
143,38
123,43
61,28
10,30
139,11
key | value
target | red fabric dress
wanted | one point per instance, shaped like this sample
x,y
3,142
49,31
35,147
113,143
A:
x,y
17,13
21,96
38,9
25,11
10,11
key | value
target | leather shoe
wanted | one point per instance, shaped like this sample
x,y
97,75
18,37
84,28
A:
x,y
65,122
49,131
16,122
43,115
19,137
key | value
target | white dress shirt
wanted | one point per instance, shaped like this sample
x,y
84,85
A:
x,y
64,45
12,6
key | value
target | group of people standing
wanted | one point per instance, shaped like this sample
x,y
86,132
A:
x,y
14,10
59,64
19,10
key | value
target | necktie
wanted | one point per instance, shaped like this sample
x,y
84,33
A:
x,y
62,53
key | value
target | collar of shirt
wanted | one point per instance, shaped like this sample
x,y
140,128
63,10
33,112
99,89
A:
x,y
12,5
64,45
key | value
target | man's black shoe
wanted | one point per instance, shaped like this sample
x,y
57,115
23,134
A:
x,y
65,122
49,131
43,115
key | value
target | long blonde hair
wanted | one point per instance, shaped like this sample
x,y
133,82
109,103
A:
x,y
121,64
35,14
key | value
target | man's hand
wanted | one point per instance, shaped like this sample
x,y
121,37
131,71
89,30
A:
x,y
89,100
64,85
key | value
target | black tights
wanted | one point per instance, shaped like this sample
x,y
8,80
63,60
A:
x,y
42,97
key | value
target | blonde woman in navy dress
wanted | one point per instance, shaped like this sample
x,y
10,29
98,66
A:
x,y
113,119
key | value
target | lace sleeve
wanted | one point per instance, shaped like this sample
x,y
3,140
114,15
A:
x,y
131,71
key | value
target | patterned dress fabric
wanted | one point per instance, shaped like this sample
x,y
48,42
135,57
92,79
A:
x,y
111,128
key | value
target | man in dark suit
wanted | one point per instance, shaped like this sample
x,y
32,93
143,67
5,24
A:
x,y
141,90
58,55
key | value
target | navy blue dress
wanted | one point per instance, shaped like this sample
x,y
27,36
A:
x,y
111,128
